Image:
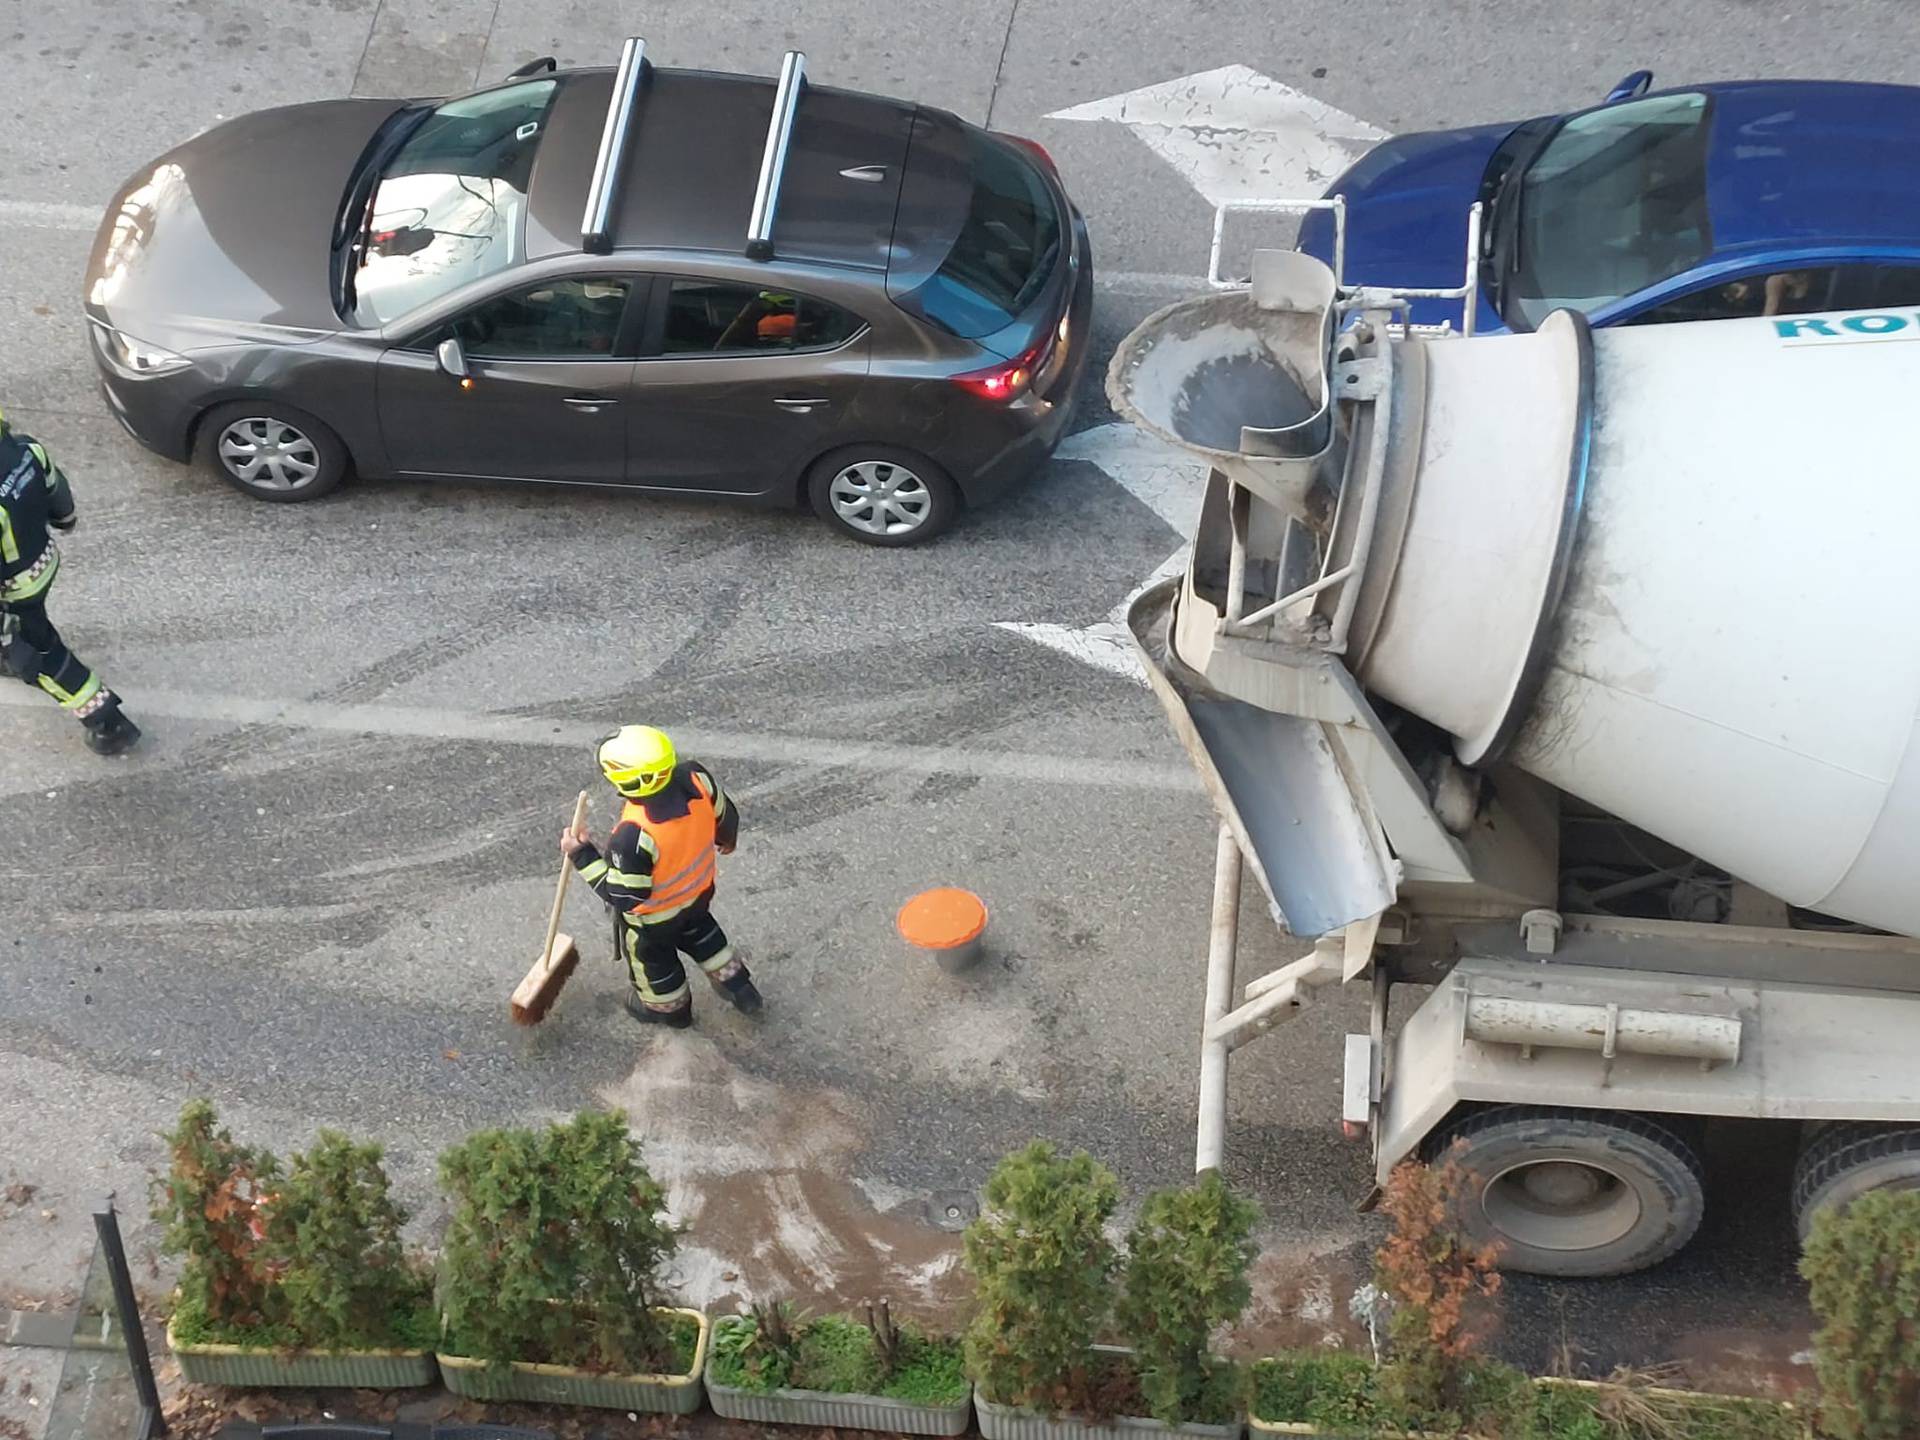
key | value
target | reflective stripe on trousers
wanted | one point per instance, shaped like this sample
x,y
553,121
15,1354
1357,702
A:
x,y
652,951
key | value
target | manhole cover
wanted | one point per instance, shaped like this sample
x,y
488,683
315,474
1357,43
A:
x,y
953,1209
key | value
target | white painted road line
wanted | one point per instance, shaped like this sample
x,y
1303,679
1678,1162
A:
x,y
49,215
406,722
1148,282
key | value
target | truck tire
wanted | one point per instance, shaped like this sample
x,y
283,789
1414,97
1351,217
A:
x,y
1568,1192
1842,1161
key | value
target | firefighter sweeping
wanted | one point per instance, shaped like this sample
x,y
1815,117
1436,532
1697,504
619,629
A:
x,y
658,875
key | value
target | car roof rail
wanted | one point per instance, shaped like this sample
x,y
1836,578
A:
x,y
596,225
773,160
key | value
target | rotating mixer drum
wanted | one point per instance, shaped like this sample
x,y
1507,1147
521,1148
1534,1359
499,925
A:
x,y
1666,569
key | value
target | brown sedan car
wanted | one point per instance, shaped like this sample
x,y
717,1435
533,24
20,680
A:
x,y
667,280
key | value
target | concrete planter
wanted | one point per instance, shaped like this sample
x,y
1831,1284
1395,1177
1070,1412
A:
x,y
1012,1422
250,1368
526,1383
1296,1428
1312,1432
829,1410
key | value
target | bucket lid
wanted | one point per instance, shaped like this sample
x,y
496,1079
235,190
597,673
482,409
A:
x,y
942,919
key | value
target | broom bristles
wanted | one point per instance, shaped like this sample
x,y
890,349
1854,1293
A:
x,y
541,988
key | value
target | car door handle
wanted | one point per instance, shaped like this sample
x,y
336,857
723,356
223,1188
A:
x,y
801,406
589,403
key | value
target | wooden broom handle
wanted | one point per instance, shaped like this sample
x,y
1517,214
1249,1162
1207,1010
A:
x,y
560,890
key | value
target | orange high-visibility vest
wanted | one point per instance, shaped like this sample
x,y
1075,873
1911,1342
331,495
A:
x,y
685,863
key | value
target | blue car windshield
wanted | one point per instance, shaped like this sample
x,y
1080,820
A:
x,y
1615,201
449,206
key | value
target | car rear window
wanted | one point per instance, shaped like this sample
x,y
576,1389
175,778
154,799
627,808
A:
x,y
1005,250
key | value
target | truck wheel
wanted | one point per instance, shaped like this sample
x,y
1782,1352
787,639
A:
x,y
1574,1192
1841,1162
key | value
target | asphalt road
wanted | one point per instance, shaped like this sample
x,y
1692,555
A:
x,y
309,894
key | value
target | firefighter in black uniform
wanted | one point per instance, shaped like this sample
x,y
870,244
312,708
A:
x,y
34,499
658,875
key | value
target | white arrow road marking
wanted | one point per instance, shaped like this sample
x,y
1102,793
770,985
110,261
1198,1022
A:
x,y
1162,477
1235,134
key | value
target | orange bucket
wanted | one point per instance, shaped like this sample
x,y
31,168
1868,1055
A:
x,y
945,923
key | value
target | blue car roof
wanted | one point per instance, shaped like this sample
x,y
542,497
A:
x,y
1797,162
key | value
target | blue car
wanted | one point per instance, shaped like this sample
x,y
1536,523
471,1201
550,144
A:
x,y
1707,203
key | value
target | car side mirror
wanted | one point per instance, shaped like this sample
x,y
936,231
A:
x,y
1631,87
452,358
534,67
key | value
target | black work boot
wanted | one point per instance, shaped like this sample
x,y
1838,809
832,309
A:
x,y
740,990
680,1019
109,731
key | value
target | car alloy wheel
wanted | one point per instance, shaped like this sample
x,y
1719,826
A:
x,y
268,454
880,497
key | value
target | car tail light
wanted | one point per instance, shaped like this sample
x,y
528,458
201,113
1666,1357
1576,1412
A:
x,y
1007,381
1035,149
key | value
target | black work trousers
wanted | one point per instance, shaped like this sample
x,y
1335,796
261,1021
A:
x,y
45,658
652,954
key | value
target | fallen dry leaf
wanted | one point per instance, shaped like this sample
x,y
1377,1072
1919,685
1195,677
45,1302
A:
x,y
451,1054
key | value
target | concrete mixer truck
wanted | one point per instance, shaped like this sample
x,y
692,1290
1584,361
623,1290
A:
x,y
1566,683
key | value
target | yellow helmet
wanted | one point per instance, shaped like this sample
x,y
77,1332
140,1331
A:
x,y
637,760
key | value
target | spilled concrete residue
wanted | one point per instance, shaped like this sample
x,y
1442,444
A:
x,y
1746,1361
1300,1300
762,1177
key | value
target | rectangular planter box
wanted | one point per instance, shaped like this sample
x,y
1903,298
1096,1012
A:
x,y
1009,1422
824,1409
1296,1428
243,1366
563,1385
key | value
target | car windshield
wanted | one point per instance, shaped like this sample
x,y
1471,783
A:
x,y
449,206
1615,201
1005,249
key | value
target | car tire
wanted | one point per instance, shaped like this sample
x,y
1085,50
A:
x,y
272,451
882,496
1574,1193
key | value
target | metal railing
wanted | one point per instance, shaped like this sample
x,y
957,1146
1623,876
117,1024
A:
x,y
596,224
1354,297
1337,204
773,160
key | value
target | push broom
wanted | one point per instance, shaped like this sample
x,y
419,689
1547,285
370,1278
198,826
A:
x,y
535,995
